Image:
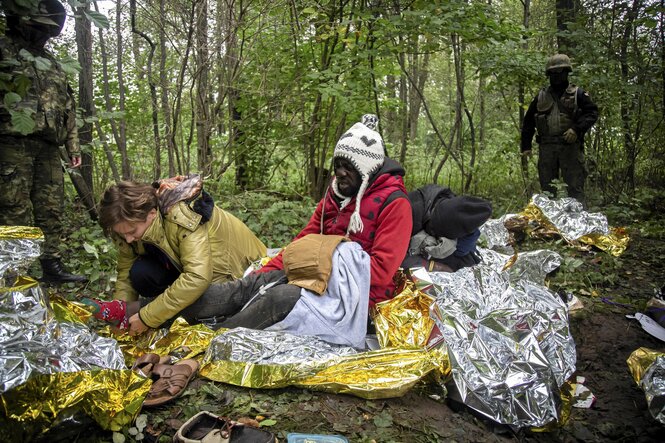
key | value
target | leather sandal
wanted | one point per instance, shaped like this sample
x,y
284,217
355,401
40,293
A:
x,y
145,363
170,381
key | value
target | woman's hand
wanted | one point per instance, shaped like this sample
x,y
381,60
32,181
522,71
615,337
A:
x,y
136,326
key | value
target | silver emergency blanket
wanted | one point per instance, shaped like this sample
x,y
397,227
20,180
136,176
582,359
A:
x,y
531,265
495,235
509,344
653,384
32,341
19,245
268,347
570,218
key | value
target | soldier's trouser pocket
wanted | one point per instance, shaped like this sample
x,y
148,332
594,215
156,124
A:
x,y
10,182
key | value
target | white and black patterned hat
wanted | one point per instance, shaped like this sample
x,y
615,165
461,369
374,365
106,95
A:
x,y
363,147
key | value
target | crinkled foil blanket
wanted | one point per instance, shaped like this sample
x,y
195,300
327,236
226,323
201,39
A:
x,y
509,350
565,217
508,344
648,369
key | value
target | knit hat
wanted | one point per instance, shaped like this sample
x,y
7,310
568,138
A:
x,y
363,147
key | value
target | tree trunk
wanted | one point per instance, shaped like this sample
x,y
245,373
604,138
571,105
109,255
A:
x,y
403,112
108,152
460,104
419,66
627,100
121,139
164,91
202,103
124,161
231,63
182,164
391,130
521,99
662,51
157,170
84,186
565,13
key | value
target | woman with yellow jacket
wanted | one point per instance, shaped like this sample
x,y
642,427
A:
x,y
173,242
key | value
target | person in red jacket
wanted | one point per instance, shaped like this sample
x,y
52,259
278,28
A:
x,y
366,202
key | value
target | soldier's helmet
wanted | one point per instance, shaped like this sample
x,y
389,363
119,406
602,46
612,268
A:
x,y
558,61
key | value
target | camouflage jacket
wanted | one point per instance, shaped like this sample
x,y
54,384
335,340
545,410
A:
x,y
45,96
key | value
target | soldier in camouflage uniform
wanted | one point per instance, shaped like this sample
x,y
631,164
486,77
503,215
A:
x,y
37,116
561,114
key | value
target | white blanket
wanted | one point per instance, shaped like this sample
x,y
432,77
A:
x,y
339,315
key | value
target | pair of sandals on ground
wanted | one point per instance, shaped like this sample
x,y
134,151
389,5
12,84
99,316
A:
x,y
169,379
169,382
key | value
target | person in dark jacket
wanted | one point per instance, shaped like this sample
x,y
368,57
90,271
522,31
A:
x,y
560,114
445,229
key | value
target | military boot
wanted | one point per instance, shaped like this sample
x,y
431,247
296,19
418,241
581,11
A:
x,y
53,271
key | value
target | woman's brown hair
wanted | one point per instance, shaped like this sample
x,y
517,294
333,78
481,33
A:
x,y
127,201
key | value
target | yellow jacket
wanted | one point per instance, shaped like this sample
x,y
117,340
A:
x,y
217,251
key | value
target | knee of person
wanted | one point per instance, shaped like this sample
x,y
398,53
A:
x,y
282,293
190,318
139,278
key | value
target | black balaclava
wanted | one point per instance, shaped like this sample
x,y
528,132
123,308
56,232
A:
x,y
558,80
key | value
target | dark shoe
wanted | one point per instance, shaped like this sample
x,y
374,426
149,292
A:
x,y
53,271
206,427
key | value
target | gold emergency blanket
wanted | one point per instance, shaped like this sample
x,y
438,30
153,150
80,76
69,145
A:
x,y
648,369
52,366
112,398
565,217
404,321
268,359
179,341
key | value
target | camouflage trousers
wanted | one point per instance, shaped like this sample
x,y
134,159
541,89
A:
x,y
32,193
562,161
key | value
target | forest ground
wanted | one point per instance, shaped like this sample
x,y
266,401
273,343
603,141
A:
x,y
604,339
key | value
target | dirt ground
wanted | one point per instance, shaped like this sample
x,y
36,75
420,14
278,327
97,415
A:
x,y
604,338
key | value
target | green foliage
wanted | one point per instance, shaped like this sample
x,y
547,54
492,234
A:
x,y
272,217
645,205
40,63
85,250
22,121
69,65
99,19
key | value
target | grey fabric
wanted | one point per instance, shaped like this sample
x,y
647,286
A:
x,y
427,246
224,300
269,306
339,315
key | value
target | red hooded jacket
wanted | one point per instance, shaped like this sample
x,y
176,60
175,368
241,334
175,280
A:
x,y
384,237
